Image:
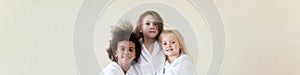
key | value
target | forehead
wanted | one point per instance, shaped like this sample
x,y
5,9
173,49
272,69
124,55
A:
x,y
168,36
149,18
126,43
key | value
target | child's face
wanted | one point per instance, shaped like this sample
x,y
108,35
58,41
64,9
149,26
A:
x,y
170,45
125,52
149,27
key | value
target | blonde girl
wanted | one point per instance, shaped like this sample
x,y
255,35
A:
x,y
178,62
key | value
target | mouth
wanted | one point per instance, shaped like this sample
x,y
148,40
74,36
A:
x,y
169,50
126,57
152,31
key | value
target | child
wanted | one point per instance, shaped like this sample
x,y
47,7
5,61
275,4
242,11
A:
x,y
177,61
124,51
149,26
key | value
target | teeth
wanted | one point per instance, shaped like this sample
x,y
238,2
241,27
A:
x,y
126,57
169,49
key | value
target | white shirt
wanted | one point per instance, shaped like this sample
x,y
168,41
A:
x,y
114,69
151,63
182,65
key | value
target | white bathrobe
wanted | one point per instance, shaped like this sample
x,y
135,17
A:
x,y
114,69
151,63
182,65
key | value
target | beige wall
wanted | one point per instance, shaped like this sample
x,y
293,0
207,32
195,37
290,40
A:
x,y
262,37
36,37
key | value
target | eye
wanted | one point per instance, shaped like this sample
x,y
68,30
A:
x,y
131,49
122,48
155,24
147,24
164,43
173,42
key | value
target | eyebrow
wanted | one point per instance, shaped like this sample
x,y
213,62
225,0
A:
x,y
121,46
132,47
150,21
125,47
168,41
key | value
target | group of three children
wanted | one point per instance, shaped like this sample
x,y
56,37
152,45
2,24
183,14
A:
x,y
147,50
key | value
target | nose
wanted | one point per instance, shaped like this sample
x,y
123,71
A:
x,y
126,51
169,45
152,26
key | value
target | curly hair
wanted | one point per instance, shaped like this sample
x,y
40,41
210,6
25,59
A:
x,y
123,31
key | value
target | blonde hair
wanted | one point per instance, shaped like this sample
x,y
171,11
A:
x,y
179,37
158,20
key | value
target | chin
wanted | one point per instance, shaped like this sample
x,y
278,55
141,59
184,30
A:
x,y
168,54
127,61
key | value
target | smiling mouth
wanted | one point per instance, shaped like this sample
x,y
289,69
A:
x,y
169,49
126,57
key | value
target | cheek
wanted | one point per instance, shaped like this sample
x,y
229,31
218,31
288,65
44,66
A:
x,y
143,30
117,53
156,27
176,46
164,47
132,54
143,27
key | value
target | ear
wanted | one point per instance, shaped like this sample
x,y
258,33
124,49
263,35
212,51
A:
x,y
140,28
133,57
180,46
115,54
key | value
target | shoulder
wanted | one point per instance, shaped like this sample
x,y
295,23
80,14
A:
x,y
184,61
184,58
187,65
111,69
112,65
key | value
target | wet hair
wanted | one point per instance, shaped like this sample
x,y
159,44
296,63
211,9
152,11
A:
x,y
179,37
158,20
123,31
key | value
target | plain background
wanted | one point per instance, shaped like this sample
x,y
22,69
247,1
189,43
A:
x,y
262,37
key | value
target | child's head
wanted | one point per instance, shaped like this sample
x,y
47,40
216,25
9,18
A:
x,y
172,43
124,46
149,25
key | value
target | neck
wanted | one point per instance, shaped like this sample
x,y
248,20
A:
x,y
172,58
125,67
149,44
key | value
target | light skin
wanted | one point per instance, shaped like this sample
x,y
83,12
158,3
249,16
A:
x,y
150,30
171,46
125,53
